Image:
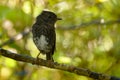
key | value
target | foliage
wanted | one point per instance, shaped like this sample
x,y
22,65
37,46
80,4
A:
x,y
95,46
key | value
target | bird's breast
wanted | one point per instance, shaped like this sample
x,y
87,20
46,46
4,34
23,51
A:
x,y
41,43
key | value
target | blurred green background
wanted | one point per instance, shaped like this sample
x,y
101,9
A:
x,y
88,36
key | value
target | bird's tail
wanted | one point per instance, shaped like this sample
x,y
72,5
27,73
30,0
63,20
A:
x,y
49,56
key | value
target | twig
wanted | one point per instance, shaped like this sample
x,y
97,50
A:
x,y
86,24
55,65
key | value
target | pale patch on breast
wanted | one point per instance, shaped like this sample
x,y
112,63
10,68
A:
x,y
42,42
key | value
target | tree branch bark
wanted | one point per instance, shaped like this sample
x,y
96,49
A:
x,y
55,65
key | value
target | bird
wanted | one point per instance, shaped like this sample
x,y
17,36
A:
x,y
44,35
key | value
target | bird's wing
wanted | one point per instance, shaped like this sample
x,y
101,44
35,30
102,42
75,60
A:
x,y
47,31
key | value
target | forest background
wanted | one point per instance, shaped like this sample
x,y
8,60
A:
x,y
88,36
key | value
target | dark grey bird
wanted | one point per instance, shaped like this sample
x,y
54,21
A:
x,y
44,35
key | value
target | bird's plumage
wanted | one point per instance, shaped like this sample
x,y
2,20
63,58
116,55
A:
x,y
44,35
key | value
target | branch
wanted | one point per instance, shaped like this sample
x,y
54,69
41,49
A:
x,y
55,65
84,24
93,22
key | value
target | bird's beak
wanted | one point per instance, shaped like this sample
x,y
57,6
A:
x,y
59,18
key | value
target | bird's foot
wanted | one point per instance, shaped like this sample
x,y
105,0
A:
x,y
37,59
50,63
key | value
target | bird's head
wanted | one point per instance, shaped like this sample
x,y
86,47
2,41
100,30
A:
x,y
48,17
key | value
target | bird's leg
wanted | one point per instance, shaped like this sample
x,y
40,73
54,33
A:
x,y
37,58
38,55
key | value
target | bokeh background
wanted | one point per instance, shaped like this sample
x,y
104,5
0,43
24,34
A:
x,y
88,36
